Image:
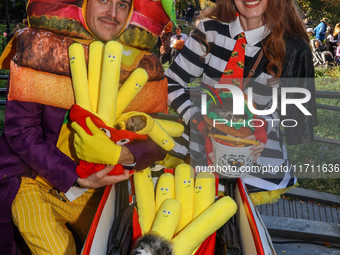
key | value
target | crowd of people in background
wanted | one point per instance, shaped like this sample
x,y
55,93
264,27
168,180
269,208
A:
x,y
325,42
170,44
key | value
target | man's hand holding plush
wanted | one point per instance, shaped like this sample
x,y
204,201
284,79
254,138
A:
x,y
96,148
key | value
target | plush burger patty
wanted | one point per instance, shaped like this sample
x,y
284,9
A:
x,y
46,51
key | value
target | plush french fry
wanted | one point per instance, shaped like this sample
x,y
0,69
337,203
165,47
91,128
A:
x,y
204,225
145,197
130,89
167,218
204,194
79,75
162,138
174,129
165,189
184,192
95,69
109,82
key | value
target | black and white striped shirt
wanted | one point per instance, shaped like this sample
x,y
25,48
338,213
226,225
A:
x,y
193,62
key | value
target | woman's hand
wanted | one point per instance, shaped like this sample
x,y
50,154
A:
x,y
101,179
256,149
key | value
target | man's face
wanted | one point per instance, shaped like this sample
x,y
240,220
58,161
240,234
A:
x,y
178,30
106,18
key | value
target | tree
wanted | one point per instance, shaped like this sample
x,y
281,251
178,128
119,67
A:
x,y
16,9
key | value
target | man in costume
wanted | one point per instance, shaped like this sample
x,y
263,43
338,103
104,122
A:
x,y
164,44
38,165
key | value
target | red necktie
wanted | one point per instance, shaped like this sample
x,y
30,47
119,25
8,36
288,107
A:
x,y
233,73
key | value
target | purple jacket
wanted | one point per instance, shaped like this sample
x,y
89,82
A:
x,y
28,148
28,144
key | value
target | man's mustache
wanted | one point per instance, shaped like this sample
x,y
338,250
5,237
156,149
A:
x,y
109,19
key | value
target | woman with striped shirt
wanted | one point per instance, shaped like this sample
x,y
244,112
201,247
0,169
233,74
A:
x,y
271,26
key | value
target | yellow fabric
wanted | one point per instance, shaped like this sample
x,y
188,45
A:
x,y
121,121
184,193
174,129
145,198
8,53
65,141
170,161
96,148
269,197
167,218
165,189
41,217
131,57
130,89
204,225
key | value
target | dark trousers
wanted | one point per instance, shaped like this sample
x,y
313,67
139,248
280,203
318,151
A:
x,y
8,190
165,58
174,54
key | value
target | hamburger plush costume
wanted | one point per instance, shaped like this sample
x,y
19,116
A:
x,y
39,62
41,67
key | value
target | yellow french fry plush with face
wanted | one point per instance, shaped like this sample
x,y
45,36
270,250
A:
x,y
167,218
153,128
160,137
79,75
130,89
204,194
174,129
184,193
145,197
95,69
204,225
109,83
165,189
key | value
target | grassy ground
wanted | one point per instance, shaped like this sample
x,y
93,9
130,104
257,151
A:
x,y
317,155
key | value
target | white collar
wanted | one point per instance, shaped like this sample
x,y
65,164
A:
x,y
253,36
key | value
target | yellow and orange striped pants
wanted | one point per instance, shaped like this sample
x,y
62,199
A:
x,y
41,217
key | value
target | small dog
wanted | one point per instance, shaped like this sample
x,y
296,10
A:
x,y
152,244
135,123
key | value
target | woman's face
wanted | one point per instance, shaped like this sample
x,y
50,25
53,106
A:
x,y
251,12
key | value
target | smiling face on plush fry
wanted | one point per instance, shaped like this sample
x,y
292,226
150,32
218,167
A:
x,y
72,59
164,190
107,18
198,188
166,213
187,183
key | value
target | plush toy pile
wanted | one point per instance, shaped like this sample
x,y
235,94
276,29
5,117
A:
x,y
181,213
101,102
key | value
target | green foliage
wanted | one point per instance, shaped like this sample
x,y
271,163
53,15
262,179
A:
x,y
318,9
316,154
206,3
328,185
